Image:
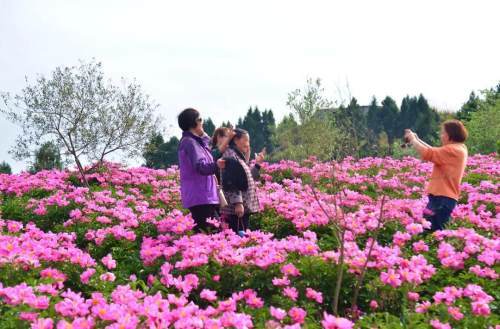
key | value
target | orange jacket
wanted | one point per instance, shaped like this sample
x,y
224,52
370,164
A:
x,y
449,166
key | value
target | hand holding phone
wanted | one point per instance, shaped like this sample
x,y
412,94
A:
x,y
259,157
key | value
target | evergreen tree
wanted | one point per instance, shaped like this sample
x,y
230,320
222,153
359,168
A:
x,y
5,168
408,114
253,123
403,120
47,157
389,114
150,153
358,121
427,122
417,115
161,155
169,151
258,137
471,106
208,126
374,121
357,115
269,125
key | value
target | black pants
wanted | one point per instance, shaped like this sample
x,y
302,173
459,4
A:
x,y
238,224
439,210
200,215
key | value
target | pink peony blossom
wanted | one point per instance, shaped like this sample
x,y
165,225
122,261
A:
x,y
109,262
297,314
332,322
314,295
209,295
277,313
291,293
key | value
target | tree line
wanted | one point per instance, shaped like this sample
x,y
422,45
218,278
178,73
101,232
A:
x,y
75,117
315,127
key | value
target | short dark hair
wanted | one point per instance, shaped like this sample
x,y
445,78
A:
x,y
456,130
187,119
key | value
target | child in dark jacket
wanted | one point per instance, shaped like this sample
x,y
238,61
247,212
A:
x,y
241,195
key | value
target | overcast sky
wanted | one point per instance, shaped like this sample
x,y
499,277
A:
x,y
224,56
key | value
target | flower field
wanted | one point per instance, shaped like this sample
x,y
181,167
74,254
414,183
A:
x,y
336,245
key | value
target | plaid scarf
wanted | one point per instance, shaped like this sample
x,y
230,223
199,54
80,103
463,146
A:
x,y
249,197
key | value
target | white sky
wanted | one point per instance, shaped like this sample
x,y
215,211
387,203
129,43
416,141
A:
x,y
223,56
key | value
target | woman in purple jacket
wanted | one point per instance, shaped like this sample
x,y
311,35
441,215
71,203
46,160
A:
x,y
197,169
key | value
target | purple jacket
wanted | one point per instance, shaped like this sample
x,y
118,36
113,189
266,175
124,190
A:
x,y
197,169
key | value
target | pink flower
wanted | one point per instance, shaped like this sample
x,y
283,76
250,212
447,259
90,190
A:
x,y
455,313
423,308
332,322
297,314
291,293
290,270
292,326
108,276
373,304
209,295
28,316
43,323
109,262
189,283
75,213
53,274
400,238
414,228
270,324
14,227
151,279
277,313
413,296
480,308
391,278
420,246
252,299
72,305
436,324
86,275
213,221
428,212
314,295
281,281
448,295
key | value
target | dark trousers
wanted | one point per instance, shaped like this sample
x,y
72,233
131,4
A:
x,y
439,210
200,215
238,224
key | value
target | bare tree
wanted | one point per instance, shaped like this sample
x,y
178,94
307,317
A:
x,y
82,114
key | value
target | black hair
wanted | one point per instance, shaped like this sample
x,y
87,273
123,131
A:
x,y
187,119
238,133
